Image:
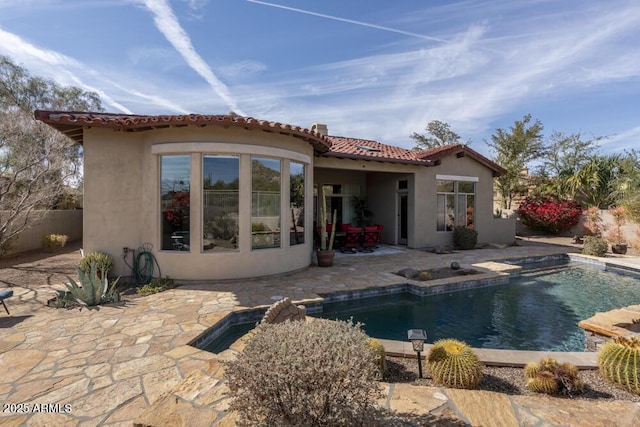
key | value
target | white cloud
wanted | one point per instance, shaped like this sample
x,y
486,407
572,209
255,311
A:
x,y
167,23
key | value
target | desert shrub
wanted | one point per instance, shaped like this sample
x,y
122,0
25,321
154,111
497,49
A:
x,y
157,284
93,289
465,238
619,362
551,377
548,215
381,356
452,363
595,246
103,262
53,242
319,373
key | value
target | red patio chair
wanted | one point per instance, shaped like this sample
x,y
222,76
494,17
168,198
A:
x,y
370,239
352,240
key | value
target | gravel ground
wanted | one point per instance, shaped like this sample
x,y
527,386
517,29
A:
x,y
508,380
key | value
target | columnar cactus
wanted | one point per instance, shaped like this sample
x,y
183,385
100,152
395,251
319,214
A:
x,y
453,363
619,362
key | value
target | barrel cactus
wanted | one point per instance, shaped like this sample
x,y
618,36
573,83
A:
x,y
619,362
551,377
452,363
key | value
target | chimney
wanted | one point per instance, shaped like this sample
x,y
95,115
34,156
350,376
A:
x,y
319,128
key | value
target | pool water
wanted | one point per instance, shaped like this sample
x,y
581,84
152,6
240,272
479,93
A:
x,y
538,310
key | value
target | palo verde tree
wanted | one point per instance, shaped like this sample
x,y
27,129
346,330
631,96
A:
x,y
514,150
439,134
36,162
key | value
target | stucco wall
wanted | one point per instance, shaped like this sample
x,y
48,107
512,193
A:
x,y
67,222
122,199
426,234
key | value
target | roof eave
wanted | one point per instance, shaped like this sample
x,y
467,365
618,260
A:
x,y
425,163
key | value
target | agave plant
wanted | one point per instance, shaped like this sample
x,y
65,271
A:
x,y
92,289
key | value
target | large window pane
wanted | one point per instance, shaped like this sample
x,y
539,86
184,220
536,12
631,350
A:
x,y
451,216
220,202
441,213
296,200
265,203
175,202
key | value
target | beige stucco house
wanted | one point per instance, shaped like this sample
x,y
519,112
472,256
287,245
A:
x,y
227,197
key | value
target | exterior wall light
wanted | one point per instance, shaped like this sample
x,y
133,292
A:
x,y
417,338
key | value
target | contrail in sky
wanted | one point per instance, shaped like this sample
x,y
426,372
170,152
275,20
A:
x,y
167,23
22,50
350,21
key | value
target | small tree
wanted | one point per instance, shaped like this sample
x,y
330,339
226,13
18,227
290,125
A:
x,y
616,236
514,150
440,135
37,163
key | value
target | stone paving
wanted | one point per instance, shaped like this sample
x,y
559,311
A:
x,y
130,363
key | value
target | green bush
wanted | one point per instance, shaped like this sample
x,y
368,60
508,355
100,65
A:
x,y
258,226
595,246
452,363
551,377
93,290
318,373
53,242
465,238
157,284
103,262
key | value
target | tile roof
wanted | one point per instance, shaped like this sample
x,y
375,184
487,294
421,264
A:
x,y
460,150
72,124
355,148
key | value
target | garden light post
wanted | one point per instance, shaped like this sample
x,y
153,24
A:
x,y
417,338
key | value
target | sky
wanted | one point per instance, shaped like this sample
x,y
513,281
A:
x,y
368,69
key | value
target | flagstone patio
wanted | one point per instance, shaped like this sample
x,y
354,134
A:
x,y
130,363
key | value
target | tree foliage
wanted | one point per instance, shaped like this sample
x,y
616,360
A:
x,y
36,162
626,186
563,157
514,150
439,134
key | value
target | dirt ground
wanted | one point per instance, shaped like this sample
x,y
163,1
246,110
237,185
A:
x,y
35,275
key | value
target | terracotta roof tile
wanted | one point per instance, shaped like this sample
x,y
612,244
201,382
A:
x,y
372,150
72,123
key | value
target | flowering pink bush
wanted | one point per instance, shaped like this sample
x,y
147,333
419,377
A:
x,y
178,209
549,215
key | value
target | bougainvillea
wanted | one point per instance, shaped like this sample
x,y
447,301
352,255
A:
x,y
177,211
548,215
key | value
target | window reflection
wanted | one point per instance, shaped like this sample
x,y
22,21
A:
x,y
296,200
220,202
265,203
175,202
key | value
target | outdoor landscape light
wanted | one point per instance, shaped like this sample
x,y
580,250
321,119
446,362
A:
x,y
417,338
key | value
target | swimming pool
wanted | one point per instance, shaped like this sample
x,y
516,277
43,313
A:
x,y
538,310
